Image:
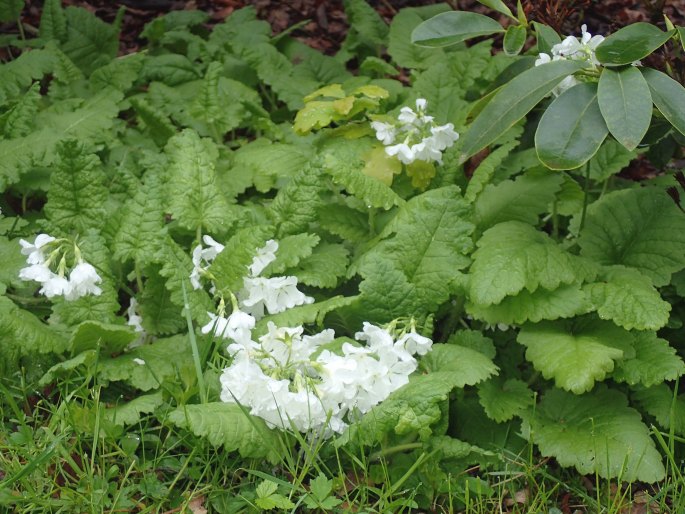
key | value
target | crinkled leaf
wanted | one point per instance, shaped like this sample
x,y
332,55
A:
x,y
309,313
403,52
77,191
475,340
628,298
130,413
445,90
227,425
108,337
521,200
563,302
575,353
90,41
324,267
295,206
504,399
655,361
366,22
348,223
171,69
667,408
291,250
512,256
611,158
640,228
466,365
10,9
596,432
19,120
160,315
483,174
53,21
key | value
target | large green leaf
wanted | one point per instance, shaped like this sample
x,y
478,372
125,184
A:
x,y
596,432
611,158
640,228
513,102
546,37
626,104
571,130
10,9
53,22
514,39
94,334
655,361
91,42
130,413
400,47
468,366
631,43
628,298
668,96
504,399
453,27
513,256
575,353
668,408
227,425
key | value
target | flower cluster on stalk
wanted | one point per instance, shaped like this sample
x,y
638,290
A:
x,y
304,382
575,49
47,264
415,137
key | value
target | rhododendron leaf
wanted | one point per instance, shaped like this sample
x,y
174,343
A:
x,y
596,433
514,39
575,353
164,360
655,361
626,104
660,402
572,128
195,200
453,27
640,228
668,96
521,200
628,297
324,267
130,413
512,256
468,366
631,43
229,426
504,399
108,337
342,160
563,302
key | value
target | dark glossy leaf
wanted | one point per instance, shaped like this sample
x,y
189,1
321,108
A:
x,y
513,102
571,130
626,104
453,27
498,6
547,37
514,39
681,34
668,96
631,43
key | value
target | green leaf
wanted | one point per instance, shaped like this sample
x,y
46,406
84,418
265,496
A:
x,y
504,399
453,27
295,206
160,315
655,361
521,200
171,69
571,130
631,43
563,302
346,222
626,104
514,39
231,265
575,353
512,256
130,413
498,6
324,267
640,228
91,42
227,425
400,47
76,200
291,250
668,408
668,96
195,199
94,334
157,124
466,365
10,9
304,314
485,171
596,432
19,120
611,158
512,103
53,21
366,22
628,298
475,340
445,90
546,37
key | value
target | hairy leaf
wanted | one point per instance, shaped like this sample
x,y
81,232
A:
x,y
655,361
504,399
324,267
466,365
130,413
90,42
666,407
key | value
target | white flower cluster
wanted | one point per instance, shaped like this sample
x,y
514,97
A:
x,y
572,48
421,139
82,280
203,254
287,379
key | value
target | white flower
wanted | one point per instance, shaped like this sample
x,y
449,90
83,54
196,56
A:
x,y
213,248
415,343
203,254
407,116
56,286
444,136
275,294
421,104
134,320
83,279
35,250
265,256
426,151
38,272
385,132
403,152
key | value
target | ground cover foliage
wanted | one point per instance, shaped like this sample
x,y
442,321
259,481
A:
x,y
550,286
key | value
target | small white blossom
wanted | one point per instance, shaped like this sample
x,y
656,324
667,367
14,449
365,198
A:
x,y
275,294
265,256
83,279
385,132
201,254
134,319
35,250
37,272
56,285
